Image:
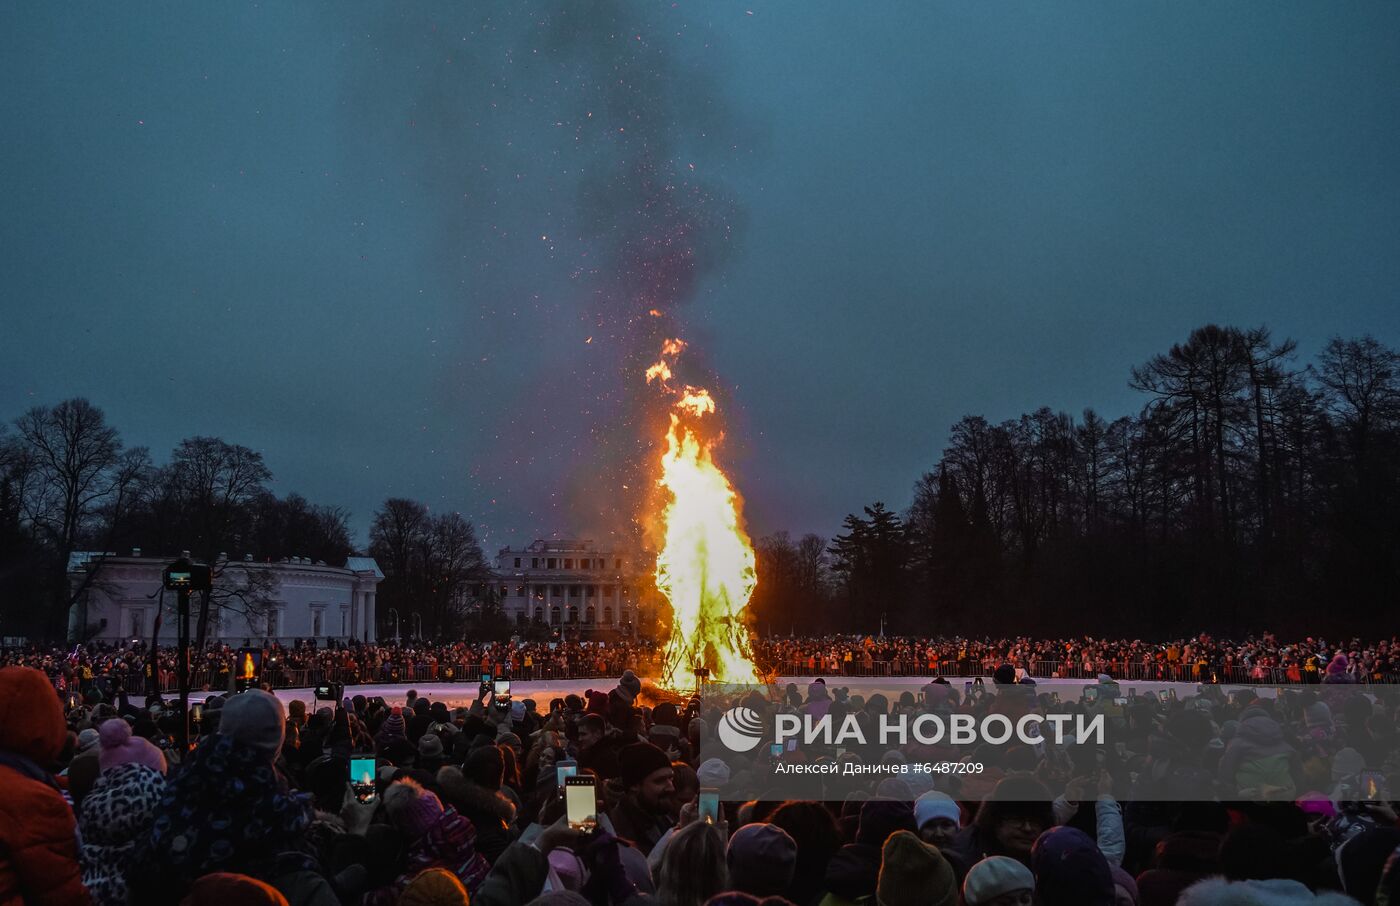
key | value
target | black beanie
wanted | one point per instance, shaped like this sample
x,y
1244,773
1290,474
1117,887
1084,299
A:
x,y
639,760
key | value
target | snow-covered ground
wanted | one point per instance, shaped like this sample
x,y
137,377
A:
x,y
463,694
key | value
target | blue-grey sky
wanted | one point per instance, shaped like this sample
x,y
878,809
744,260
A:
x,y
374,240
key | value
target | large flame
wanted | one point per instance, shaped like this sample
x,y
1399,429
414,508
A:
x,y
706,564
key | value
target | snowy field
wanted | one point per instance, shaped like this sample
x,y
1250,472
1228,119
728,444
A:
x,y
463,694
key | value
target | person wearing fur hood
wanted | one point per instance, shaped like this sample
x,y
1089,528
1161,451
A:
x,y
474,790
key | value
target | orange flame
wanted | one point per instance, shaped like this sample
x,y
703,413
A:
x,y
697,400
706,567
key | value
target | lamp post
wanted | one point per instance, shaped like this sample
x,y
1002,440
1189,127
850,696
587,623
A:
x,y
395,612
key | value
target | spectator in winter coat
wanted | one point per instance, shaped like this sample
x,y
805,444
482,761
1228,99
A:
x,y
643,812
229,810
119,810
474,791
38,839
437,838
1070,871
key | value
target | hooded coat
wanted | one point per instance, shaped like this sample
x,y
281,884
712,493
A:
x,y
115,815
1258,762
38,834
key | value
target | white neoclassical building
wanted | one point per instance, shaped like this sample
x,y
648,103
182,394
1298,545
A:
x,y
274,601
574,583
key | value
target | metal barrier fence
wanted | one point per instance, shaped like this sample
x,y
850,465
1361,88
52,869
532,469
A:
x,y
1233,674
280,677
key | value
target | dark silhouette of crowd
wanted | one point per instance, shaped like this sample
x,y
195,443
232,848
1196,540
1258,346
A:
x,y
1202,659
1202,798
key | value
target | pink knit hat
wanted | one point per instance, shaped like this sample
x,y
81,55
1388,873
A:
x,y
414,809
116,746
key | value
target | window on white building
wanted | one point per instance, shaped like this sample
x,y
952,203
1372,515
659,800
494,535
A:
x,y
138,624
344,621
273,624
317,618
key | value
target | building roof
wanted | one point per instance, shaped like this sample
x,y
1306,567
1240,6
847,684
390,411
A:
x,y
79,559
364,565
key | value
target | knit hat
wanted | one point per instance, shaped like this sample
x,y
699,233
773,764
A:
x,y
1069,870
256,719
434,887
118,746
1313,803
429,746
223,888
638,760
86,740
517,712
1346,764
1317,715
993,877
934,804
411,808
629,686
31,715
913,873
712,773
761,859
881,817
393,724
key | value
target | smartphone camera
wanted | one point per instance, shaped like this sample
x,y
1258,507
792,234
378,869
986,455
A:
x,y
362,778
581,803
709,805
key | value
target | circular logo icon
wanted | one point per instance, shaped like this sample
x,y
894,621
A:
x,y
740,729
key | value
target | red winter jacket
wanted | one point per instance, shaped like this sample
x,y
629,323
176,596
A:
x,y
38,837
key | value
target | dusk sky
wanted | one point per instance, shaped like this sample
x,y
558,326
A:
x,y
410,250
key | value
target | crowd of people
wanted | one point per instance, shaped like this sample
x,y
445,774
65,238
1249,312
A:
x,y
1201,659
1204,798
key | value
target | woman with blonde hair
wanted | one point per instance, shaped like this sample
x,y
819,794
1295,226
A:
x,y
692,868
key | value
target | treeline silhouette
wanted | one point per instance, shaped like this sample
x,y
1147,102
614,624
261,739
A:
x,y
1250,492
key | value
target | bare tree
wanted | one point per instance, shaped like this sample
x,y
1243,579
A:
x,y
1361,381
68,465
